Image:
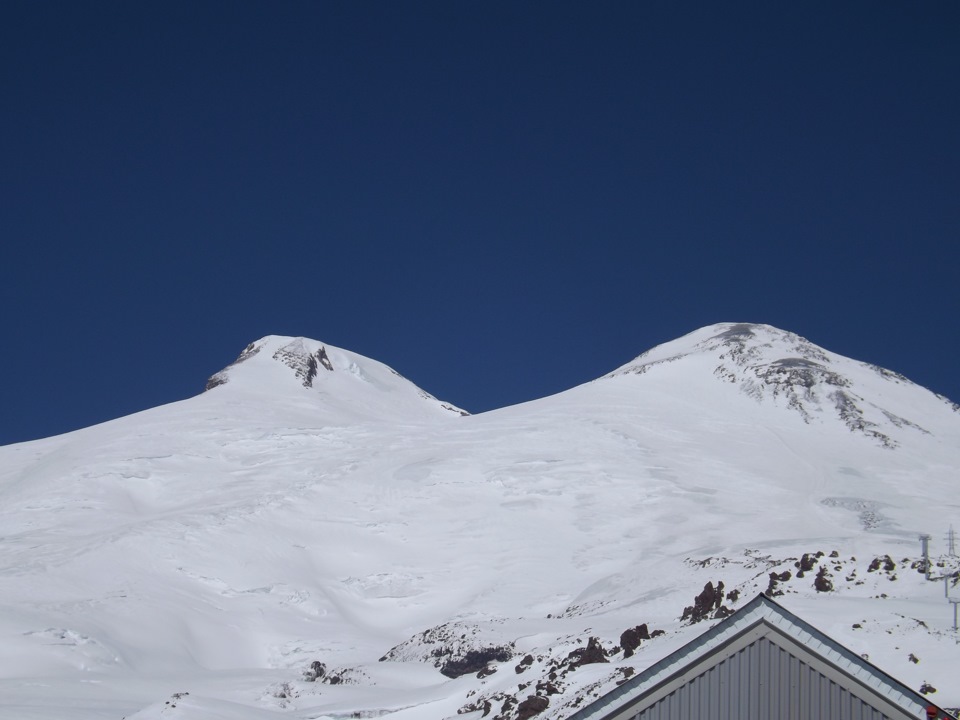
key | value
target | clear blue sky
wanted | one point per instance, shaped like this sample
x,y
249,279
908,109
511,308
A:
x,y
500,200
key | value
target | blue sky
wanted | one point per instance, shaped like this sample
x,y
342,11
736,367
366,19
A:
x,y
500,200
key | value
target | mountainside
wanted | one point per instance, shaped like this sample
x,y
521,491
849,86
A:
x,y
317,537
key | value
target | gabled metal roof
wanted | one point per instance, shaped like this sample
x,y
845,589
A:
x,y
775,621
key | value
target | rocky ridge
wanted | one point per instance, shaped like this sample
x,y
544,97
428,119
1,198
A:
x,y
545,681
772,365
307,361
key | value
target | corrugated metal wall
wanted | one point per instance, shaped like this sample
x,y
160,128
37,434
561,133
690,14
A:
x,y
761,682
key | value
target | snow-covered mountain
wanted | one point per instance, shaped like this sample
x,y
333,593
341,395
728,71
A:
x,y
785,369
350,386
316,537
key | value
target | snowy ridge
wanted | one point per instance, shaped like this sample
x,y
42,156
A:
x,y
271,364
310,542
771,365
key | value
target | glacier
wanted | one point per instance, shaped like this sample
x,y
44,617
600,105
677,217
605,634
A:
x,y
314,536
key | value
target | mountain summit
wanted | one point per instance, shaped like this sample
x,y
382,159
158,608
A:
x,y
299,367
317,536
780,368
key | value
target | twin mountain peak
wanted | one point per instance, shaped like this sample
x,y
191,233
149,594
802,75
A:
x,y
736,366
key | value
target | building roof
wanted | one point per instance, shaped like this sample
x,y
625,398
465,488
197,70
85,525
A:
x,y
760,617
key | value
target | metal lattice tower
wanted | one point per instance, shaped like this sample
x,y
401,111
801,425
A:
x,y
952,541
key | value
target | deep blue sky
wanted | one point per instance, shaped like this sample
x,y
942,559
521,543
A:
x,y
500,200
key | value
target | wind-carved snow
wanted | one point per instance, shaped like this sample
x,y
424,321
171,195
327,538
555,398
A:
x,y
386,585
354,547
84,652
869,512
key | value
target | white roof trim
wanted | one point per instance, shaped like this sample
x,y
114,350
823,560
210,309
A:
x,y
760,609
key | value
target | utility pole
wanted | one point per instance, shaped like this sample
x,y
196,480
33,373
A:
x,y
952,541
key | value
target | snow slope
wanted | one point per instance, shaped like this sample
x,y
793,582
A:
x,y
195,560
